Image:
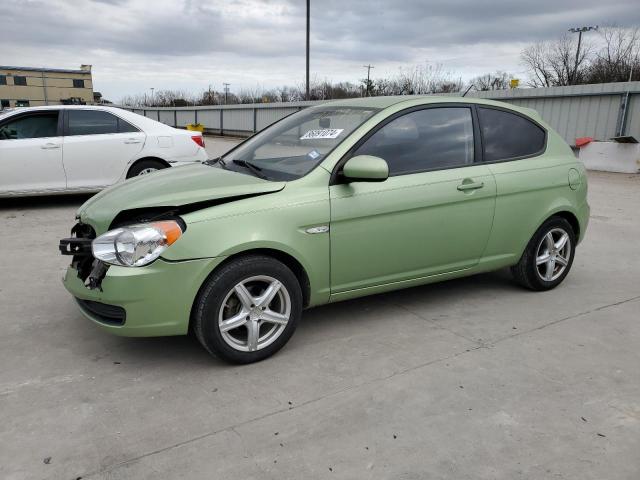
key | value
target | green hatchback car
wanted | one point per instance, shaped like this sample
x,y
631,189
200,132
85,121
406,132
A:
x,y
337,201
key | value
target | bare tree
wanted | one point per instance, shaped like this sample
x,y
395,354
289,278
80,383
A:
x,y
492,81
553,63
618,58
417,80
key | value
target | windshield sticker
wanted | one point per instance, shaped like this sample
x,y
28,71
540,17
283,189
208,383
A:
x,y
322,133
313,154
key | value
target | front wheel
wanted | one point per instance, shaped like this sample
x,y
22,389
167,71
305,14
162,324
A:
x,y
548,257
248,310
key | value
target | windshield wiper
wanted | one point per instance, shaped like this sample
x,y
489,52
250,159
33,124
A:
x,y
257,171
213,161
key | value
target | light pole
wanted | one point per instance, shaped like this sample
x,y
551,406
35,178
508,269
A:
x,y
579,31
226,92
152,89
368,67
308,29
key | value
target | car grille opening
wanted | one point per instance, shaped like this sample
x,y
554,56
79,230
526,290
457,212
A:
x,y
107,314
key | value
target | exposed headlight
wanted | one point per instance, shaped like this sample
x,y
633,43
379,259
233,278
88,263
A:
x,y
136,245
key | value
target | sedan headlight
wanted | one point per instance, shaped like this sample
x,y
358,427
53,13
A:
x,y
136,245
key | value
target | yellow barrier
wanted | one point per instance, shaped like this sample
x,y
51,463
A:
x,y
195,127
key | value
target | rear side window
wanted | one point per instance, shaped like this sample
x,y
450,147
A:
x,y
92,122
126,127
38,125
428,139
507,135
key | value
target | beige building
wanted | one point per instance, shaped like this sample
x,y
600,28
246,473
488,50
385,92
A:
x,y
30,86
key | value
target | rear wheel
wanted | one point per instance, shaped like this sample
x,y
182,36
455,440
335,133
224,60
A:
x,y
548,257
248,310
144,167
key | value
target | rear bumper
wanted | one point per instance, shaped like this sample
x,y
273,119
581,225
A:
x,y
149,301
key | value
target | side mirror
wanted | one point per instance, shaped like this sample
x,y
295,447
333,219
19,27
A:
x,y
366,168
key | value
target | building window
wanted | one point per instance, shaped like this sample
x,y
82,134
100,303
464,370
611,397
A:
x,y
78,83
3,79
4,104
19,80
22,103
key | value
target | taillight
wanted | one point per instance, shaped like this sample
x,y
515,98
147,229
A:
x,y
199,139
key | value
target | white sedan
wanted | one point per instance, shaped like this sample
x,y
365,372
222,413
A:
x,y
73,149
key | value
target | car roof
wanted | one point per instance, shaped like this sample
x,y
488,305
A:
x,y
389,101
140,121
57,107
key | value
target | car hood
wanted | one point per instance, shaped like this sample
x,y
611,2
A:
x,y
197,184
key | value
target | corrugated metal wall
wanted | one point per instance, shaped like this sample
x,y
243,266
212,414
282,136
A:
x,y
185,117
577,111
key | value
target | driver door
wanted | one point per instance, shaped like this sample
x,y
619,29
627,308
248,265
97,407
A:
x,y
433,214
31,153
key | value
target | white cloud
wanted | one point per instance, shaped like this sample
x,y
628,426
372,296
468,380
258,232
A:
x,y
137,44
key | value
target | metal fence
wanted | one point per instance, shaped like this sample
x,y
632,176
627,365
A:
x,y
600,111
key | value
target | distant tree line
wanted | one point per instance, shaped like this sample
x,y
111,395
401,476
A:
x,y
421,79
549,64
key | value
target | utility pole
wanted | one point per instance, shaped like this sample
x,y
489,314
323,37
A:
x,y
579,31
152,89
368,67
226,92
46,98
308,29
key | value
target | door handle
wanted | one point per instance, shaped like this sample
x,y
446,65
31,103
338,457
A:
x,y
132,140
464,186
50,146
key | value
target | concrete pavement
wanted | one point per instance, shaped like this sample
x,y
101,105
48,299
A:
x,y
473,378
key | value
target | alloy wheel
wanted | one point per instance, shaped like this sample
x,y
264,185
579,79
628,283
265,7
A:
x,y
145,171
553,254
254,313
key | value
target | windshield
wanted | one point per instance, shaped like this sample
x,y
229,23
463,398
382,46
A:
x,y
292,147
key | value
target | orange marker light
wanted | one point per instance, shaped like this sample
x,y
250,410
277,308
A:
x,y
171,230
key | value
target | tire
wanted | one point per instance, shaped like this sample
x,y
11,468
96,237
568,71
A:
x,y
143,167
538,272
226,315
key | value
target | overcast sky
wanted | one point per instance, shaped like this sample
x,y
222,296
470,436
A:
x,y
188,44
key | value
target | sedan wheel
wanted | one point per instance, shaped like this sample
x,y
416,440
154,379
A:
x,y
247,309
145,167
254,313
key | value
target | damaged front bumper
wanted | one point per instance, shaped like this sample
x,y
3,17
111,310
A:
x,y
149,301
154,300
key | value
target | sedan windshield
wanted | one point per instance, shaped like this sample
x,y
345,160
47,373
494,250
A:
x,y
292,147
